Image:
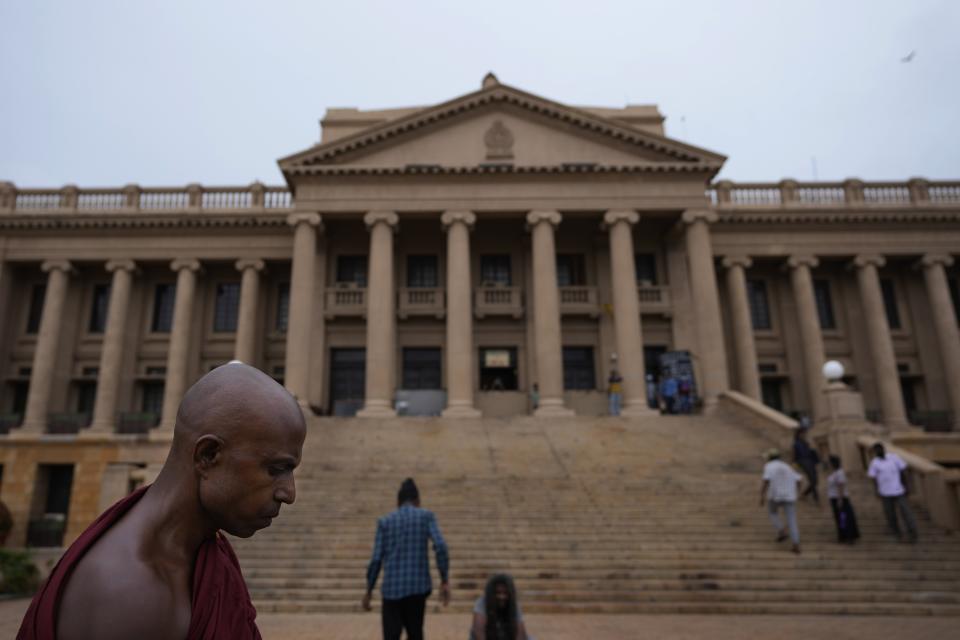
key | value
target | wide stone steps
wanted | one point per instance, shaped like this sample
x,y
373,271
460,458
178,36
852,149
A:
x,y
588,515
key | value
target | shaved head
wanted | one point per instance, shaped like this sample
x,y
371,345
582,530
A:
x,y
234,401
238,437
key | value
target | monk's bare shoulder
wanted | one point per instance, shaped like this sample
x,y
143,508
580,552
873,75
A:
x,y
114,594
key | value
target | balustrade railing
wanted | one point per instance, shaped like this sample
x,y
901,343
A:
x,y
345,301
913,193
498,301
420,301
136,198
653,298
579,300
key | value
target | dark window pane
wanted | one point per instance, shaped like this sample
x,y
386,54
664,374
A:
x,y
37,294
498,369
152,397
59,487
495,269
422,368
578,370
163,297
770,391
422,271
98,308
954,284
821,291
226,307
759,305
890,303
283,306
571,270
646,266
86,393
352,269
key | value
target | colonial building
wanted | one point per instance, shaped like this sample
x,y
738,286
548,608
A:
x,y
449,258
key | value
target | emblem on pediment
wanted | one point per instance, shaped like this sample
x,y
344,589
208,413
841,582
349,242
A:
x,y
499,141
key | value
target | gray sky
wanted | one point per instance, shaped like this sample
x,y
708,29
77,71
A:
x,y
102,93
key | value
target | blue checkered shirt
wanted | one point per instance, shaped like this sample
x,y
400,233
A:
x,y
401,548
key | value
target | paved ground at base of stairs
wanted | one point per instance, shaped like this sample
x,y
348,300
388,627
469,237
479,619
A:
x,y
578,627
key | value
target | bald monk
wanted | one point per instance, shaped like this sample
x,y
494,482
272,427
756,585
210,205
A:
x,y
155,565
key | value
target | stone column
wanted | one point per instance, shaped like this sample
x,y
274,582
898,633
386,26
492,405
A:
x,y
48,343
881,345
546,314
381,317
703,284
246,347
178,353
626,312
748,377
459,315
111,355
299,322
945,324
810,335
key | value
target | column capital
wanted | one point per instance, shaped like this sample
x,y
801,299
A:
x,y
613,216
744,262
803,260
185,263
250,263
543,215
121,265
448,218
57,265
935,259
312,219
691,216
869,259
389,218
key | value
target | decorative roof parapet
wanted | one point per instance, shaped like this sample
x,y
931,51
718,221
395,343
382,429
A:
x,y
851,193
132,198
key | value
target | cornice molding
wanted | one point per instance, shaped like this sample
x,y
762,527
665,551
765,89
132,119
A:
x,y
139,221
657,167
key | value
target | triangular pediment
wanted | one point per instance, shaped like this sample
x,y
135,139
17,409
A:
x,y
504,128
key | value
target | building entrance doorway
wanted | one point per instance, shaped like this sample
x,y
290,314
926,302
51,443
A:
x,y
498,369
347,380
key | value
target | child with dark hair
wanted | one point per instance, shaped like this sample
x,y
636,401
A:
x,y
496,614
843,515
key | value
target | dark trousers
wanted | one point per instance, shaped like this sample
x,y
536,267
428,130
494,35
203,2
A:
x,y
846,519
809,469
891,504
405,613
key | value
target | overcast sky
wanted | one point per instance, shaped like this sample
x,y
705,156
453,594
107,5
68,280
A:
x,y
106,92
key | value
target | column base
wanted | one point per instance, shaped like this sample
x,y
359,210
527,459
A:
x,y
553,409
638,410
461,411
377,409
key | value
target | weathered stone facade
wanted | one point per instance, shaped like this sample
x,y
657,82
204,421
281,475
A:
x,y
470,250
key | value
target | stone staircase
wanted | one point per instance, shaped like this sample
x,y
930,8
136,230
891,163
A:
x,y
652,515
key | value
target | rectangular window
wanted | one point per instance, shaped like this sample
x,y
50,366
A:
x,y
759,305
86,394
98,308
578,369
495,270
498,369
821,291
163,298
352,269
771,394
571,270
422,368
646,267
283,306
37,294
422,271
890,303
954,284
226,307
152,401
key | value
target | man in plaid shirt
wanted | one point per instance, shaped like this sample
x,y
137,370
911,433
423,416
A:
x,y
401,548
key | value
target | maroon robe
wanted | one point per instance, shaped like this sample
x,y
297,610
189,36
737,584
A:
x,y
220,606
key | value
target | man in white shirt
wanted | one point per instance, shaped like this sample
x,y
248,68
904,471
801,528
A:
x,y
888,472
779,490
